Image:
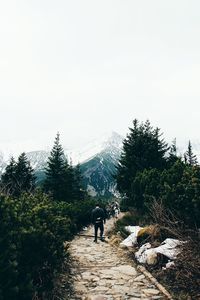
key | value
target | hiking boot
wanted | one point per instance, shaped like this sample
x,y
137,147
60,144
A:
x,y
95,241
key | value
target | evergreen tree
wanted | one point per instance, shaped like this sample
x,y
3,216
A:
x,y
173,149
189,157
18,177
57,173
142,149
173,157
70,182
78,187
8,179
24,175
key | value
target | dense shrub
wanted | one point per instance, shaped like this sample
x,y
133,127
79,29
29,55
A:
x,y
80,212
178,187
32,231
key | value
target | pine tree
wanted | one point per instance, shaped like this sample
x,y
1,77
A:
x,y
189,157
24,175
70,182
173,149
78,187
57,175
8,179
173,157
142,149
18,177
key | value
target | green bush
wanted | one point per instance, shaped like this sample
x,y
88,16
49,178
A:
x,y
80,212
32,231
178,187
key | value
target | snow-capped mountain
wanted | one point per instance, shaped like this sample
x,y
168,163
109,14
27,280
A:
x,y
112,141
38,159
97,160
98,170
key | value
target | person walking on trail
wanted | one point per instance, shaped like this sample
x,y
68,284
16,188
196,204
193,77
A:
x,y
98,220
116,210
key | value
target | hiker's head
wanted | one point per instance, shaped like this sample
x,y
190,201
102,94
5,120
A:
x,y
97,204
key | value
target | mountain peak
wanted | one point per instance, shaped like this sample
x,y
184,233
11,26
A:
x,y
111,140
115,139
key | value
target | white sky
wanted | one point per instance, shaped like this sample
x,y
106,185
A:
x,y
83,67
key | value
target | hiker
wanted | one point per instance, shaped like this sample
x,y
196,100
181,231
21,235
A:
x,y
98,220
109,212
116,210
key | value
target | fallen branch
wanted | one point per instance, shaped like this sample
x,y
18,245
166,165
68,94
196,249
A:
x,y
154,281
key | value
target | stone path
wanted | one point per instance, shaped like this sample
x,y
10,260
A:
x,y
103,272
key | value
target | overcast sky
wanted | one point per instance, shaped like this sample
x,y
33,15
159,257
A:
x,y
85,67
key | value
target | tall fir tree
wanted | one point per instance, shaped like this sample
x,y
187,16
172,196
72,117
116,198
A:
x,y
78,187
189,157
57,173
70,182
19,176
142,149
24,174
8,179
173,157
173,148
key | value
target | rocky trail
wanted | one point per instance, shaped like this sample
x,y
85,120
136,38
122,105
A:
x,y
101,271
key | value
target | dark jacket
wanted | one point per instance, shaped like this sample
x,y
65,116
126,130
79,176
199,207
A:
x,y
98,215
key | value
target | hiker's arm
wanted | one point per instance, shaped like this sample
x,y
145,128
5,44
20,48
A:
x,y
92,217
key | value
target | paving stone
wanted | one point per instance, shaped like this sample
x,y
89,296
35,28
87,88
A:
x,y
120,282
151,291
134,294
139,278
140,283
95,279
103,282
124,290
126,269
98,297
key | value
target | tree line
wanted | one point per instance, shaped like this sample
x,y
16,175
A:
x,y
150,169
